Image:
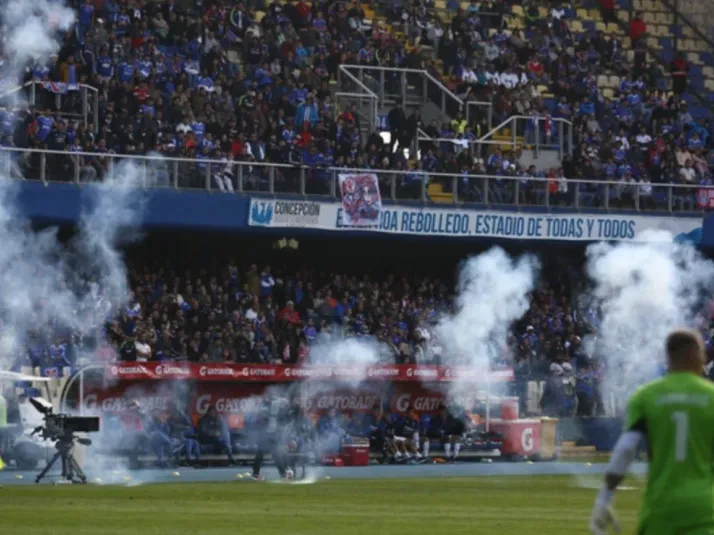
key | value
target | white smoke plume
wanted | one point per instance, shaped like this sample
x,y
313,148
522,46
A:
x,y
31,29
493,292
644,290
45,283
354,356
31,32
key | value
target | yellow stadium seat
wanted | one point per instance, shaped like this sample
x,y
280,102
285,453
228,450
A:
x,y
259,16
608,92
709,84
517,23
708,72
614,81
594,14
613,28
653,42
575,26
623,15
440,4
649,18
602,81
601,26
693,57
664,18
687,32
637,5
581,13
648,5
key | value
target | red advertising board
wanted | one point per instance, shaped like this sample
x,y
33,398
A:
x,y
152,396
231,398
415,396
268,373
236,401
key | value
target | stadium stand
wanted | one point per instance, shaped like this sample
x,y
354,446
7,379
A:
x,y
522,86
562,91
252,84
256,315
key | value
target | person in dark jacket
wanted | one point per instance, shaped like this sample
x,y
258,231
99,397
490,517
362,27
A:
x,y
454,428
272,425
553,394
397,125
213,431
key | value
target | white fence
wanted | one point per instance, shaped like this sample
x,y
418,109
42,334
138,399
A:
x,y
260,178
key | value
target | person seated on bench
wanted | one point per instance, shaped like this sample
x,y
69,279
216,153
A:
x,y
454,428
383,437
181,429
162,443
406,429
332,434
134,435
213,431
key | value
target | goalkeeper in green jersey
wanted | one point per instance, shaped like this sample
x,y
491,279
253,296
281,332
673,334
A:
x,y
675,416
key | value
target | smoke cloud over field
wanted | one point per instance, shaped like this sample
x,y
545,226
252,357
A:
x,y
644,290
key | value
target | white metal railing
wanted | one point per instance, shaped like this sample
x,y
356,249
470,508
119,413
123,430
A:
x,y
391,85
519,131
157,171
352,91
84,91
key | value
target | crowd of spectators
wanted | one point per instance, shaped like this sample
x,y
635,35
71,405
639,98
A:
x,y
218,81
258,315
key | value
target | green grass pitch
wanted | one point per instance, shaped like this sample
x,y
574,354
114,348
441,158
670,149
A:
x,y
506,505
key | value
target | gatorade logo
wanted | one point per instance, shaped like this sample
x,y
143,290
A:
x,y
527,439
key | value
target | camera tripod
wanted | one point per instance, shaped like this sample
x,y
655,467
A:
x,y
70,467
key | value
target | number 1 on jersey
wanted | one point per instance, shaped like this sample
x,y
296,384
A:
x,y
681,429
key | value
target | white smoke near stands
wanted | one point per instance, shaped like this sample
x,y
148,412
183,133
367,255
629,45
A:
x,y
31,28
47,283
352,393
493,293
31,32
109,460
644,290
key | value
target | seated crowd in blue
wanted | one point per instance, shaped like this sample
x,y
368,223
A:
x,y
222,83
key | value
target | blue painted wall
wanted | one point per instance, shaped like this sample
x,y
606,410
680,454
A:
x,y
195,209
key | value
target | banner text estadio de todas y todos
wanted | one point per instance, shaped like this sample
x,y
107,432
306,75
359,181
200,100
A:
x,y
464,223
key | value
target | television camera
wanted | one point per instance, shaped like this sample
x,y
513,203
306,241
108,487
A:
x,y
60,428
